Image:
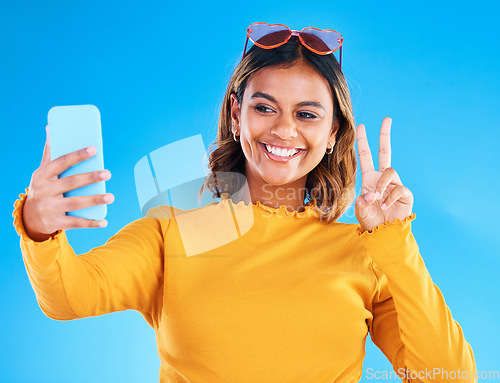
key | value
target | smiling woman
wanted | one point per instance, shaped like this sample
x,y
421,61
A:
x,y
288,294
292,110
284,128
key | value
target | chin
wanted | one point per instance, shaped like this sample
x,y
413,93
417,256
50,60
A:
x,y
275,179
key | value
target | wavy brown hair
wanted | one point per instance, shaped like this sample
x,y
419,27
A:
x,y
330,185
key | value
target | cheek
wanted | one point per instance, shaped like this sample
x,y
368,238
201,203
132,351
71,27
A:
x,y
253,125
248,132
316,141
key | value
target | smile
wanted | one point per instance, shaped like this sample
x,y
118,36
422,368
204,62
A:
x,y
279,154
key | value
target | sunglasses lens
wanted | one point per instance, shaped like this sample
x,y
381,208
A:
x,y
322,40
266,35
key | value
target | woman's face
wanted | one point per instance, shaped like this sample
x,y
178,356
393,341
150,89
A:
x,y
284,123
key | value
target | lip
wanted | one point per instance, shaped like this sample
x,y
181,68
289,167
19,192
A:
x,y
276,158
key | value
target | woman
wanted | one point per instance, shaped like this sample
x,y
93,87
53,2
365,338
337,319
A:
x,y
291,294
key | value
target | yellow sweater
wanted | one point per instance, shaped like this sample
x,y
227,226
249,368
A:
x,y
247,293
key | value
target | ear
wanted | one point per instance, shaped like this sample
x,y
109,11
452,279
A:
x,y
235,112
333,134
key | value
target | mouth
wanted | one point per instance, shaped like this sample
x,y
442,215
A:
x,y
279,154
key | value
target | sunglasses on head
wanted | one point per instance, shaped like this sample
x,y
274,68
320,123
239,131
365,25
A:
x,y
320,41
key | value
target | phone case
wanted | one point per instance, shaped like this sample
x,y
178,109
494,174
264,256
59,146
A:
x,y
73,128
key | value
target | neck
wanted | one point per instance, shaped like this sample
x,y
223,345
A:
x,y
291,195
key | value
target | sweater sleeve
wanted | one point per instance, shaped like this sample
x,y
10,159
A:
x,y
124,273
412,325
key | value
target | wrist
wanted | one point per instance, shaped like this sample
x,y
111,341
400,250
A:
x,y
30,232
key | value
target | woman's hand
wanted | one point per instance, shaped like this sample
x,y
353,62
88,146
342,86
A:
x,y
44,211
398,199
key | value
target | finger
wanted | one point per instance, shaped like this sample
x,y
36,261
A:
x,y
389,176
63,163
70,222
384,159
46,149
76,203
363,203
400,192
76,181
364,153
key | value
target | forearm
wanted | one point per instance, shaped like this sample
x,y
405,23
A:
x,y
431,338
51,264
47,276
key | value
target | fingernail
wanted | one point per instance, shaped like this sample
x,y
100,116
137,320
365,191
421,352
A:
x,y
105,175
90,149
103,223
108,198
377,195
383,207
368,197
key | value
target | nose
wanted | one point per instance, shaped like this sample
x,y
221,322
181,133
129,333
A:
x,y
285,127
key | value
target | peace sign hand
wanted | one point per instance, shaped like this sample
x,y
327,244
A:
x,y
380,187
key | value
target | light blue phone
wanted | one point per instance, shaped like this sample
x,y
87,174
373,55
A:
x,y
73,128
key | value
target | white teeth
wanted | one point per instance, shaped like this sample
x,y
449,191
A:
x,y
281,152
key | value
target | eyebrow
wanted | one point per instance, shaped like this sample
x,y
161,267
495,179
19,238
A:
x,y
303,103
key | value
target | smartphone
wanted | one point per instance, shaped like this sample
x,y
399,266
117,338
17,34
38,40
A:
x,y
72,128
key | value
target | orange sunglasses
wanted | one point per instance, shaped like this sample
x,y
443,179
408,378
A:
x,y
320,41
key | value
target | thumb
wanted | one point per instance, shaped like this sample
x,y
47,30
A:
x,y
363,203
46,149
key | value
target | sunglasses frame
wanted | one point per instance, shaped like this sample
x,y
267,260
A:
x,y
295,33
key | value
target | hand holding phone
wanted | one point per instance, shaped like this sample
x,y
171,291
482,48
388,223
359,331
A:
x,y
47,202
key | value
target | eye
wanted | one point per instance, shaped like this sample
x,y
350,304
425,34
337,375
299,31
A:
x,y
307,115
263,109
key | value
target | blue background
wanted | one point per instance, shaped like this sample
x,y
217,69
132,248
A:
x,y
158,71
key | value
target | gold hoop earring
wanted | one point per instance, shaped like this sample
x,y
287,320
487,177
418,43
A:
x,y
331,150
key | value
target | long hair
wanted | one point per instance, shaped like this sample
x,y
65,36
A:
x,y
330,185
